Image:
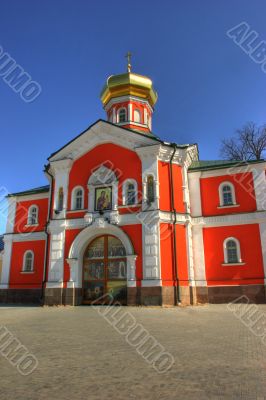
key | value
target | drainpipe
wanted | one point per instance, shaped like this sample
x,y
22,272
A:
x,y
177,292
47,235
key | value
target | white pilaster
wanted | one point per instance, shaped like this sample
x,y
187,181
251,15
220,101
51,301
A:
x,y
263,246
195,195
260,187
131,270
56,257
60,170
190,258
198,256
151,247
8,242
12,206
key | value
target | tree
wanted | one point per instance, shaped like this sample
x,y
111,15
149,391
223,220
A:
x,y
248,143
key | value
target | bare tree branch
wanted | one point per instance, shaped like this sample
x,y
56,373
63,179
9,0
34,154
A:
x,y
248,143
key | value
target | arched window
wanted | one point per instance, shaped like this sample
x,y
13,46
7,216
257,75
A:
x,y
137,116
227,194
60,205
77,199
232,251
33,215
131,194
150,189
28,260
122,115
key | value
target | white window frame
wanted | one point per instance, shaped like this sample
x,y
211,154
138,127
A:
x,y
139,114
29,223
239,259
24,262
73,198
124,192
118,115
221,198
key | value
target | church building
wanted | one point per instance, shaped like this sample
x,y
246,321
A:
x,y
130,217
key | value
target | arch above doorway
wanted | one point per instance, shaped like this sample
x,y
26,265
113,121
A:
x,y
81,242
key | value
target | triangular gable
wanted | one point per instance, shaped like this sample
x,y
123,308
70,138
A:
x,y
103,132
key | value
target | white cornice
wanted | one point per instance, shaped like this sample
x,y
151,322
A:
x,y
25,237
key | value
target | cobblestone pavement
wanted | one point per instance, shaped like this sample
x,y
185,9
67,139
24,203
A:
x,y
81,356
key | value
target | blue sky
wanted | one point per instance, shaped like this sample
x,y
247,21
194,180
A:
x,y
207,86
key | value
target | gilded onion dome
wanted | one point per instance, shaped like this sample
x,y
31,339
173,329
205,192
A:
x,y
129,84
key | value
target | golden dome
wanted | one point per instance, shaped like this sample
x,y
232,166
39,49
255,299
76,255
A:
x,y
129,84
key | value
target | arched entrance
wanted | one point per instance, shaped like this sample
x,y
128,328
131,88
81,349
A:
x,y
105,270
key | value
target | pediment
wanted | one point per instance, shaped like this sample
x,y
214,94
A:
x,y
98,133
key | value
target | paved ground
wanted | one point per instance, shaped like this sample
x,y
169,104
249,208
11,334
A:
x,y
81,356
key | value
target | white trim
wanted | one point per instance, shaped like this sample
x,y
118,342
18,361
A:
x,y
24,261
27,272
76,211
221,198
239,260
73,198
233,264
28,236
231,206
124,192
30,215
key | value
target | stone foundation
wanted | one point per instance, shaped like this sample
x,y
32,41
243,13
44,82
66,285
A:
x,y
226,294
61,296
142,296
21,296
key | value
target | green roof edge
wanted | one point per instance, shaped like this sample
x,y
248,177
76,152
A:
x,y
222,164
41,189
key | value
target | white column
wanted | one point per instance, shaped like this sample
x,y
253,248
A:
x,y
194,190
263,247
8,241
198,256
